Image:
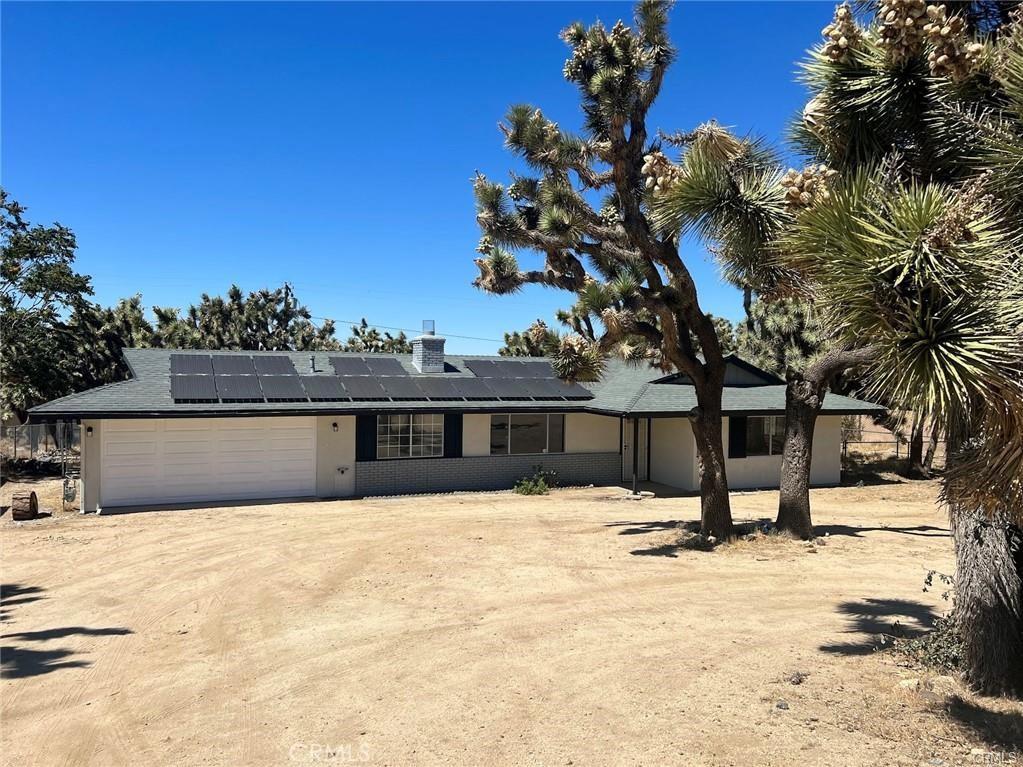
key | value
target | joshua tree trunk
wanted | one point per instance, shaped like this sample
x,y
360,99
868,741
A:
x,y
747,305
915,461
804,397
932,448
715,509
989,599
803,401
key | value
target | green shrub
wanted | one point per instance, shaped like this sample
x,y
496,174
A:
x,y
940,648
539,482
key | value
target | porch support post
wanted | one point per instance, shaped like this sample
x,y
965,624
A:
x,y
635,456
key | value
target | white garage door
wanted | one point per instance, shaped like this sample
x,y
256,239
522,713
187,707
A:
x,y
172,460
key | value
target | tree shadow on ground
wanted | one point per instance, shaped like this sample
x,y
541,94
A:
x,y
654,526
998,729
877,621
17,594
925,531
642,528
17,661
671,549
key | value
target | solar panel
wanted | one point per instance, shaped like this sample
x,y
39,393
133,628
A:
x,y
509,388
241,388
193,388
482,368
537,370
363,388
402,388
350,366
543,388
277,365
324,388
282,388
438,388
508,369
572,390
233,364
385,366
473,388
191,363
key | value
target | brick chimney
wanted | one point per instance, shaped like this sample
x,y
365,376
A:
x,y
428,350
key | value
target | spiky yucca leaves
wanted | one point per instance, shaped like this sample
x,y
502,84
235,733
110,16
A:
x,y
578,359
782,336
932,285
728,191
1001,152
870,105
537,340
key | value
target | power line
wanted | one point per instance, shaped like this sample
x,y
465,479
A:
x,y
405,330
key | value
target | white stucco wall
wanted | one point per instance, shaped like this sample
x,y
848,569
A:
x,y
91,465
589,433
826,467
475,434
765,470
673,453
673,458
335,451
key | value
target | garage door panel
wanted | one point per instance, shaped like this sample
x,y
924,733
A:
x,y
131,447
207,459
141,427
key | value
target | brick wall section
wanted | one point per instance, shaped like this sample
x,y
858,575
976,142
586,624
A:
x,y
436,475
428,354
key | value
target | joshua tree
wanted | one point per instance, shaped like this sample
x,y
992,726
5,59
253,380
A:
x,y
781,335
738,198
917,252
365,338
265,320
100,334
537,340
630,281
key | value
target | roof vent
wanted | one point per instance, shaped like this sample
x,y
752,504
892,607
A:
x,y
428,350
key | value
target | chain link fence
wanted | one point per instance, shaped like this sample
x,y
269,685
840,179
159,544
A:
x,y
41,442
866,440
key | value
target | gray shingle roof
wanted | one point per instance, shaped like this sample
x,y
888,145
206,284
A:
x,y
624,390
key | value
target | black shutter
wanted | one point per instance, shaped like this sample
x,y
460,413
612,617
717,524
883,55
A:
x,y
737,436
453,435
365,438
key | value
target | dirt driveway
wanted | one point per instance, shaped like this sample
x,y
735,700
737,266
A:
x,y
476,629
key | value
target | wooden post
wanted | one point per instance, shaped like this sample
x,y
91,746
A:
x,y
635,456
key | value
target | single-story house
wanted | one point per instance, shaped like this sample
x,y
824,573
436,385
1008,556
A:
x,y
192,426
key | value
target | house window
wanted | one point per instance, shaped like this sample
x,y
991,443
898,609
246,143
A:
x,y
519,434
410,436
765,435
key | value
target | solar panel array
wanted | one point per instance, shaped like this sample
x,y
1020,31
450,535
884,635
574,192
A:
x,y
274,378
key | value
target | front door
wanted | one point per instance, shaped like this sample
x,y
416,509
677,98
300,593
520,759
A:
x,y
628,431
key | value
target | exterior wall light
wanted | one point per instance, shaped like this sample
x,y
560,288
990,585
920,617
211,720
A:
x,y
333,426
88,431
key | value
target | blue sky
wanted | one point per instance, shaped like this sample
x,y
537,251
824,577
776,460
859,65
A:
x,y
192,145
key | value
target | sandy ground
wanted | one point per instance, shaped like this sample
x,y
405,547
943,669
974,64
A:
x,y
479,629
